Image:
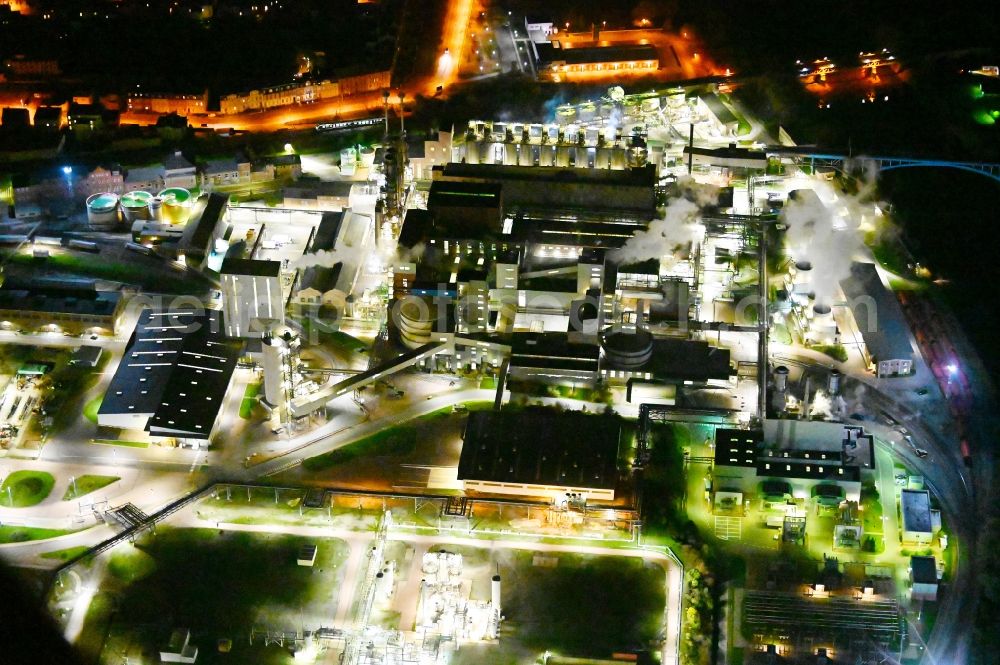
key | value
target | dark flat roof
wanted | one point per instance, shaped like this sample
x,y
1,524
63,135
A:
x,y
916,508
92,303
327,232
196,235
445,193
720,110
252,267
923,569
176,367
883,326
541,447
600,54
737,447
639,177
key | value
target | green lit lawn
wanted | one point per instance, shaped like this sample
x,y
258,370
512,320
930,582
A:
x,y
127,444
66,554
249,400
217,583
22,489
86,484
835,351
90,408
23,534
98,267
399,440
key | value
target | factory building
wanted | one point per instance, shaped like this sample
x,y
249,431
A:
x,y
173,376
588,145
556,60
473,205
51,308
562,188
424,154
197,242
917,525
923,578
251,296
540,453
825,462
880,320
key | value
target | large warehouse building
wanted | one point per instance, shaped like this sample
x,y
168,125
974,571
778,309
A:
x,y
173,377
540,453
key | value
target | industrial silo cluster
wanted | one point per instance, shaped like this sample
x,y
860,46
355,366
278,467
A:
x,y
106,210
601,144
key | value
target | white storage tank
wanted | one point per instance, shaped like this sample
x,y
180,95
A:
x,y
102,210
348,161
366,156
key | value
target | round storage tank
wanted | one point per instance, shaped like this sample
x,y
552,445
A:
x,y
628,351
135,205
367,156
102,210
176,205
348,161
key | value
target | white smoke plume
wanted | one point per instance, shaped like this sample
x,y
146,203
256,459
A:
x,y
825,230
680,224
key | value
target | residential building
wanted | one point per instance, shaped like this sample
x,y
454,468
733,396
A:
x,y
179,172
166,103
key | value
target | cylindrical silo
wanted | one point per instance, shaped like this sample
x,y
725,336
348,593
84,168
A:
x,y
348,161
176,205
546,155
472,152
273,352
155,208
833,382
781,378
562,155
135,205
495,593
603,159
366,156
509,154
102,210
524,156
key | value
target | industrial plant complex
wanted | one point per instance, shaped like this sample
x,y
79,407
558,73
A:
x,y
629,381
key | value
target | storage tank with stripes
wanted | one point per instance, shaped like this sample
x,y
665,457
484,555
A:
x,y
176,205
102,210
135,205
